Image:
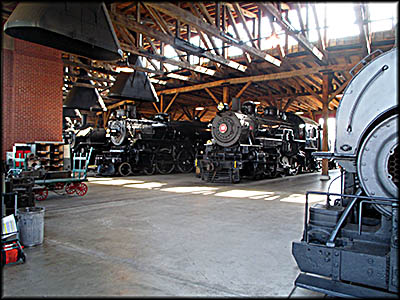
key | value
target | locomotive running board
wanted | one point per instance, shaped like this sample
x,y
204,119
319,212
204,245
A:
x,y
338,289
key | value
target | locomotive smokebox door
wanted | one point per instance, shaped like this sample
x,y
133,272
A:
x,y
227,129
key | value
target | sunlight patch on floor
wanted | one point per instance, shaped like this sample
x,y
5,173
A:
x,y
301,198
118,182
146,185
191,189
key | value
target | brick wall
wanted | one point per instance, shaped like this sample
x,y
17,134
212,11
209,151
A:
x,y
32,79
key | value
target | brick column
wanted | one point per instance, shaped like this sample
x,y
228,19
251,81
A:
x,y
32,80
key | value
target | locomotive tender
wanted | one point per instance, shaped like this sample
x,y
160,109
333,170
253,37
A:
x,y
157,145
257,142
350,245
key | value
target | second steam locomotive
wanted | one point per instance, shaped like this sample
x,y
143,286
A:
x,y
258,142
149,146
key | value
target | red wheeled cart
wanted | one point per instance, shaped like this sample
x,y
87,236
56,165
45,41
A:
x,y
74,183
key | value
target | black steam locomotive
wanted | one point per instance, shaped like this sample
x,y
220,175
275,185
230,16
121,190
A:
x,y
257,142
350,243
149,146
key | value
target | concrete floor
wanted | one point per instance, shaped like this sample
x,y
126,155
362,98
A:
x,y
169,235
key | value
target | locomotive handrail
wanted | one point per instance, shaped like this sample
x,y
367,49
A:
x,y
344,215
381,202
323,154
364,60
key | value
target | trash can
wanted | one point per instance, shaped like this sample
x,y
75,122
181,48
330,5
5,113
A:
x,y
31,225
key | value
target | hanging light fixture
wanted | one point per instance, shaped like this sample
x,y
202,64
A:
x,y
81,28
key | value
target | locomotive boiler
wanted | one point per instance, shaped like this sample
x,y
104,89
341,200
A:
x,y
257,142
149,146
350,243
82,137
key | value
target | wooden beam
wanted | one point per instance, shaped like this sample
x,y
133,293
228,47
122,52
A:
x,y
157,18
309,89
303,30
87,67
197,13
95,78
217,15
282,52
161,103
155,106
320,40
204,11
362,21
301,39
133,25
187,17
243,89
325,111
172,101
243,21
256,78
235,29
212,96
338,91
225,94
259,18
245,12
185,65
290,100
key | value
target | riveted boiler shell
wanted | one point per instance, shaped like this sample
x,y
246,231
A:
x,y
370,94
377,163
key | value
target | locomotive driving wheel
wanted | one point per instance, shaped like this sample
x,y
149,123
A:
x,y
165,161
125,169
149,167
185,161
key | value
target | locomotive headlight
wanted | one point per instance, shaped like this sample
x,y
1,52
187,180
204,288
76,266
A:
x,y
223,128
220,106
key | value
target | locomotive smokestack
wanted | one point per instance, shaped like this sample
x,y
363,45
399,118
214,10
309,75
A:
x,y
236,104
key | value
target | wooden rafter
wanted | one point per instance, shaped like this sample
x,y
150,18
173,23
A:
x,y
338,91
185,65
255,78
187,17
235,29
320,40
239,13
135,26
243,89
301,39
362,21
210,38
212,95
171,102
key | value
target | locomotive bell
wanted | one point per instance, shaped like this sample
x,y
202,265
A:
x,y
133,86
82,28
